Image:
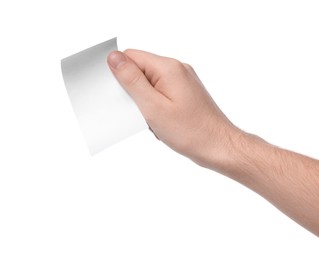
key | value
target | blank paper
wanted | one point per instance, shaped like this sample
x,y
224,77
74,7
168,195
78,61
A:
x,y
106,113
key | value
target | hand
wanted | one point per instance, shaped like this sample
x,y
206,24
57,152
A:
x,y
175,104
182,114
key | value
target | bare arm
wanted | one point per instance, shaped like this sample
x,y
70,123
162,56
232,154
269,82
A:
x,y
288,180
182,114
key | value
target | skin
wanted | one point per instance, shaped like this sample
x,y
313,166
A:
x,y
183,115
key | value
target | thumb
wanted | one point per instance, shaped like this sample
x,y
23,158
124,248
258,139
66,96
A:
x,y
132,80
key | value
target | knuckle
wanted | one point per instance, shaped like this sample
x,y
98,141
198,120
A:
x,y
134,78
175,65
188,67
128,51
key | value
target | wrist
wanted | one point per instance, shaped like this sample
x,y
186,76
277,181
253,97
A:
x,y
245,158
220,151
233,156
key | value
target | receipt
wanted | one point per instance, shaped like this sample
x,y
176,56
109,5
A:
x,y
105,112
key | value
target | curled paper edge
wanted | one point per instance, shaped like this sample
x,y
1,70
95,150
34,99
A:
x,y
105,112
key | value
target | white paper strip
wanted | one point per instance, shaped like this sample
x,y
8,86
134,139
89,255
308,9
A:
x,y
106,113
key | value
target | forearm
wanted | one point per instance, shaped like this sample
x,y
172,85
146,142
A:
x,y
288,180
183,115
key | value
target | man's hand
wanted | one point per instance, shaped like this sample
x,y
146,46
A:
x,y
182,114
175,104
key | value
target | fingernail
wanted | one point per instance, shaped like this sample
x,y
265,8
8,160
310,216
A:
x,y
116,59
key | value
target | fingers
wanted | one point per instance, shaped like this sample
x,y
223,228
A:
x,y
134,81
146,61
155,66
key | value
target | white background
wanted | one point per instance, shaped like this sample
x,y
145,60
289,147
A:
x,y
138,199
